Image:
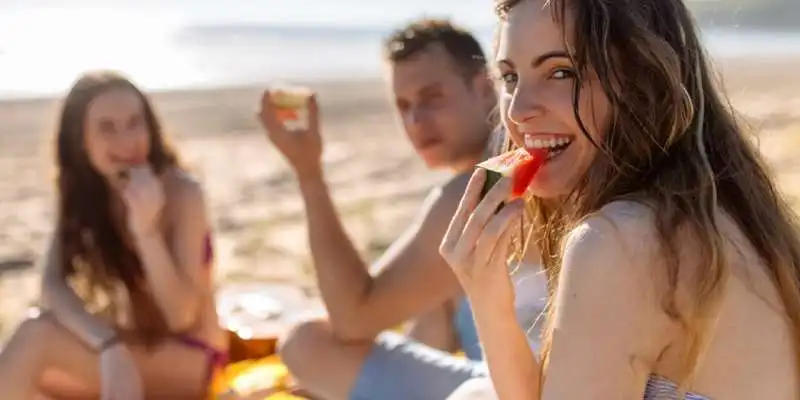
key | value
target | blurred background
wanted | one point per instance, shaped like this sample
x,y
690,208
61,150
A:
x,y
209,43
206,61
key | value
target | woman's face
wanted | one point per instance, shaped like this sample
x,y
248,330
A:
x,y
116,135
537,97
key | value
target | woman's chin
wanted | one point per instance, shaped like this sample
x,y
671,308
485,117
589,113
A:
x,y
545,189
115,181
543,194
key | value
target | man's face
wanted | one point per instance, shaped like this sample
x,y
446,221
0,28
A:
x,y
444,115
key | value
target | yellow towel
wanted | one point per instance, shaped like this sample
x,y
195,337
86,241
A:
x,y
250,376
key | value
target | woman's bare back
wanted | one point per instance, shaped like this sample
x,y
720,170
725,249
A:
x,y
751,354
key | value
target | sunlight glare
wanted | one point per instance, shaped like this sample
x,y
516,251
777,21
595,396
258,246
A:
x,y
52,47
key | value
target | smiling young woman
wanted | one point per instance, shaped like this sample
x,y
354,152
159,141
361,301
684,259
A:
x,y
126,290
666,242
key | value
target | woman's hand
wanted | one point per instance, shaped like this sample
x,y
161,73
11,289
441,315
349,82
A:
x,y
301,147
144,199
119,376
476,244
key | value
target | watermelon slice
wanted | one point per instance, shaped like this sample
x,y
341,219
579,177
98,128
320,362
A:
x,y
520,164
137,162
286,114
289,101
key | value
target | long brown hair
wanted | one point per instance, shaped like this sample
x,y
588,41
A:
x,y
94,255
674,143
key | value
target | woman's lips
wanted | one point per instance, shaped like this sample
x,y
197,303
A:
x,y
133,161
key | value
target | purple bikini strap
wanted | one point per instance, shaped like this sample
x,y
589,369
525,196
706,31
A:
x,y
208,255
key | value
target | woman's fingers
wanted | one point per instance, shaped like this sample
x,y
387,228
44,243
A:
x,y
467,204
496,237
483,212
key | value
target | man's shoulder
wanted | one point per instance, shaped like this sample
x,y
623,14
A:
x,y
450,191
454,187
443,199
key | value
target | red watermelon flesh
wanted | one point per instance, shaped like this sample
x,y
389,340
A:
x,y
526,170
521,165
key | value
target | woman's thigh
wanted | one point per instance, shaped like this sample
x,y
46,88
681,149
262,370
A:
x,y
71,369
170,370
173,370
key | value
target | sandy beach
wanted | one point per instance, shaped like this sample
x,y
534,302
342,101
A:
x,y
258,219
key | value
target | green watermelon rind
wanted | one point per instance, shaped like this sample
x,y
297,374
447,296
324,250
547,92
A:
x,y
499,166
505,163
492,177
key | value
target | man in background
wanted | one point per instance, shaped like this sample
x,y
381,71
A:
x,y
443,96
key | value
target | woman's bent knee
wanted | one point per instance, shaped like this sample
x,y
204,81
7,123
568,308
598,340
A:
x,y
38,327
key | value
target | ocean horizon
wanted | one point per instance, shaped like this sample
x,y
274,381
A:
x,y
208,55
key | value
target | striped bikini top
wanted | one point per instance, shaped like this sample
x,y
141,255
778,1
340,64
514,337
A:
x,y
659,388
208,251
530,300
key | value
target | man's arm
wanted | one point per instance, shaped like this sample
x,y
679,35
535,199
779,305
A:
x,y
413,277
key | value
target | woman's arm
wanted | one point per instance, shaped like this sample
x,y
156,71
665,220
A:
x,y
608,328
476,245
175,268
66,306
608,325
513,367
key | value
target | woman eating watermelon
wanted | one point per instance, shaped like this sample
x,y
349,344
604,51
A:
x,y
673,261
127,291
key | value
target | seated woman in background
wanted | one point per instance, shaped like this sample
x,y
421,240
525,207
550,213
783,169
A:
x,y
674,262
128,308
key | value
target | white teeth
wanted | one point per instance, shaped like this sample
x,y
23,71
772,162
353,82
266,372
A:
x,y
530,142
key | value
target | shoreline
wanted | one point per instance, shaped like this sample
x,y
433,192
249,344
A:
x,y
739,69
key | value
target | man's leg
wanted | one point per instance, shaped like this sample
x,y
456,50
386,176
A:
x,y
392,367
322,365
475,389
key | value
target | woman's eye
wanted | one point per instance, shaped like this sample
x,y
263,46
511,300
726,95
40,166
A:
x,y
135,122
509,80
562,73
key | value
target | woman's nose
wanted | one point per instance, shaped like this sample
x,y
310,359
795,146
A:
x,y
525,104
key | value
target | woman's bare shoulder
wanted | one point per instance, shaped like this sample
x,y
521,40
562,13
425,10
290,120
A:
x,y
621,224
184,194
607,307
181,184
